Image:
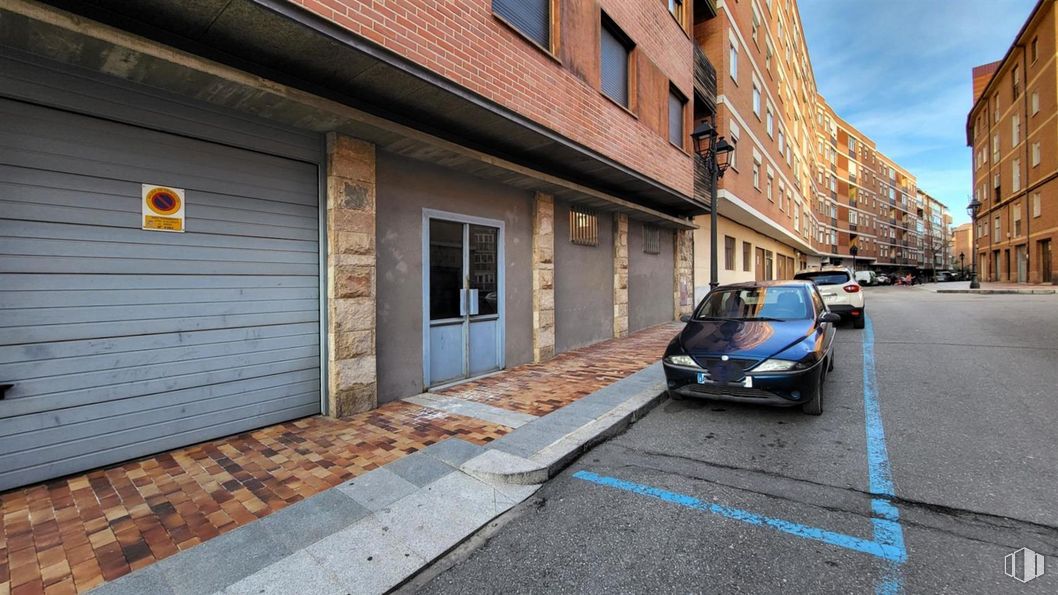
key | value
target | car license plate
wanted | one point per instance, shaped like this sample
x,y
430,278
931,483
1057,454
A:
x,y
703,378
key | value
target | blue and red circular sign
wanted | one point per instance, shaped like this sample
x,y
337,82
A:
x,y
163,201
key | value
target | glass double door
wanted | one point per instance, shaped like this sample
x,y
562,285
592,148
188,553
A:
x,y
465,292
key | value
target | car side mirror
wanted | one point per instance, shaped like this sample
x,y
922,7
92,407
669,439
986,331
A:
x,y
685,318
829,317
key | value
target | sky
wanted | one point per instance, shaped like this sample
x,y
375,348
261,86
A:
x,y
899,71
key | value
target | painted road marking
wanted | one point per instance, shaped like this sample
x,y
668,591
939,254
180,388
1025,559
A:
x,y
888,534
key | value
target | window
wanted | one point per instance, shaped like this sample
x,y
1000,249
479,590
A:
x,y
756,99
1035,153
729,253
769,186
732,160
583,227
651,239
531,18
768,51
756,172
1036,204
770,121
1015,79
854,217
732,58
615,49
676,109
995,148
1015,180
747,256
756,24
1035,48
1034,102
676,8
782,142
1015,130
1016,217
995,229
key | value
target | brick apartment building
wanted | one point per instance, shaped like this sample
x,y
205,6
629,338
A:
x,y
380,198
1013,132
961,244
804,186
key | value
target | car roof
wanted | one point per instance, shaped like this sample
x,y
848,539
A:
x,y
780,283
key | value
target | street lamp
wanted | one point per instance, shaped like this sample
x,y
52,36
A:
x,y
716,151
962,261
972,209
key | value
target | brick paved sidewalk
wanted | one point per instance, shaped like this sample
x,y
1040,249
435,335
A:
x,y
72,534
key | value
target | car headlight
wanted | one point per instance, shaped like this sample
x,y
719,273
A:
x,y
777,365
681,360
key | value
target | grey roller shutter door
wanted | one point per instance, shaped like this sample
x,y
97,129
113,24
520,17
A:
x,y
122,342
531,17
614,66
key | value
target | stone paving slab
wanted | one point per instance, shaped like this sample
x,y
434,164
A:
x,y
496,415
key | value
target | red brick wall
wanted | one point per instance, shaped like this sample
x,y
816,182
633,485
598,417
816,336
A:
x,y
463,41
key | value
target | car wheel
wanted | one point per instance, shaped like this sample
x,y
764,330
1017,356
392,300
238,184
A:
x,y
860,320
814,406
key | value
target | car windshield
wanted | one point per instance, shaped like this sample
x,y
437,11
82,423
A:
x,y
755,303
825,277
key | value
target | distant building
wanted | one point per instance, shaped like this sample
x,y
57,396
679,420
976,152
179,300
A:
x,y
962,245
1013,132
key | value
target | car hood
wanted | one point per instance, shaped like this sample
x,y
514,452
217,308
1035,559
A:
x,y
743,338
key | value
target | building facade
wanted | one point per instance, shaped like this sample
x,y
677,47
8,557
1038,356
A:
x,y
1012,130
804,187
962,246
370,200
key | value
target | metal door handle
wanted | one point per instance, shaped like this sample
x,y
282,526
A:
x,y
473,302
462,302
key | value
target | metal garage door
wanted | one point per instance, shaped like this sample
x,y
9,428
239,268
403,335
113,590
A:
x,y
122,342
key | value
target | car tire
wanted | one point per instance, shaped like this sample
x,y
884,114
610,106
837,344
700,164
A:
x,y
814,406
860,321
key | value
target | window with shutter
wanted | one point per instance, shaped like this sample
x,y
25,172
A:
x,y
531,18
676,103
614,50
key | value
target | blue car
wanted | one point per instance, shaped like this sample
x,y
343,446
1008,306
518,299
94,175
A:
x,y
769,342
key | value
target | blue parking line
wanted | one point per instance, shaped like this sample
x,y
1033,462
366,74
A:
x,y
888,534
874,548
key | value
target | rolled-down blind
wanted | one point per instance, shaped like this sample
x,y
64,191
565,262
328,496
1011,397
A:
x,y
675,119
531,17
614,65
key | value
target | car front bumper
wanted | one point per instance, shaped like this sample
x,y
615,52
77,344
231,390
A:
x,y
780,389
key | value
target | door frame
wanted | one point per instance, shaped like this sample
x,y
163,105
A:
x,y
501,280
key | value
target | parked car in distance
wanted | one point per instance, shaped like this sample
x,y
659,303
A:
x,y
866,278
842,294
945,276
884,279
769,342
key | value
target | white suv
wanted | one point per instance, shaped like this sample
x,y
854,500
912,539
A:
x,y
840,291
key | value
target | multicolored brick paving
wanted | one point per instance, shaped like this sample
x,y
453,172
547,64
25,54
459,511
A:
x,y
72,534
539,389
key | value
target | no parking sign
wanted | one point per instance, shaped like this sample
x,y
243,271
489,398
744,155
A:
x,y
163,208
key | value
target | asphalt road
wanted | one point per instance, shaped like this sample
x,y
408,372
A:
x,y
724,498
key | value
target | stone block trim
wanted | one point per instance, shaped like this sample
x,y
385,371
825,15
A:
x,y
620,275
543,277
683,284
351,276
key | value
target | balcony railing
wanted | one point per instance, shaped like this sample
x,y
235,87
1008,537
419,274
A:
x,y
704,78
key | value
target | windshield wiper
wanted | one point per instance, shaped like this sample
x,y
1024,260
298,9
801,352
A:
x,y
761,319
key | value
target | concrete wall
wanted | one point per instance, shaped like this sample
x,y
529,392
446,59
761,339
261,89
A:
x,y
741,233
583,284
650,279
405,187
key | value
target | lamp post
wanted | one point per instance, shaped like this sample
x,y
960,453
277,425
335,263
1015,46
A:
x,y
716,152
854,251
972,209
962,261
